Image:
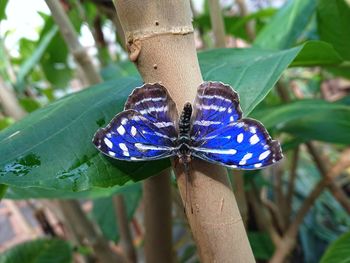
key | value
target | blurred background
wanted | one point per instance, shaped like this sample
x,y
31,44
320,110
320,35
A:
x,y
304,44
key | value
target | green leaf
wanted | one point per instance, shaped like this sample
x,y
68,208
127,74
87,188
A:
x,y
29,104
54,148
3,5
251,72
261,245
32,61
287,25
51,148
333,25
3,189
317,53
5,122
39,251
339,251
104,214
310,120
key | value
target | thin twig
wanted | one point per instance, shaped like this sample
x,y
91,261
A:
x,y
291,183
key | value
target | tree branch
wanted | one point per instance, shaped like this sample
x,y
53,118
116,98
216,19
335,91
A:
x,y
161,43
217,23
124,228
69,35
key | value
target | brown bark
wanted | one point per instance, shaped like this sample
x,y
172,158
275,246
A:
x,y
124,228
157,201
86,232
160,40
9,102
217,23
70,36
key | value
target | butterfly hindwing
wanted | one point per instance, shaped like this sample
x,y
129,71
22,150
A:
x,y
244,144
154,103
215,106
132,137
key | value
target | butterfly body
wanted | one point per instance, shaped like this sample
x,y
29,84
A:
x,y
213,130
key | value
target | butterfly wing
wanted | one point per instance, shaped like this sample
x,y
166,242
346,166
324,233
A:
x,y
216,105
244,144
132,137
154,103
145,130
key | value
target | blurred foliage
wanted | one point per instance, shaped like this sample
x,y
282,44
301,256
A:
x,y
49,153
39,251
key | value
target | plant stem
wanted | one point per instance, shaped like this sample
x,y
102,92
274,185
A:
x,y
162,46
217,23
124,228
157,201
288,242
86,231
10,103
70,36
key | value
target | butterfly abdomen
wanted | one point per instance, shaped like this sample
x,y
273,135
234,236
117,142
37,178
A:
x,y
185,118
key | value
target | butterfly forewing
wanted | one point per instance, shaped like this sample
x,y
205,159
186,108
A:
x,y
154,103
132,137
216,105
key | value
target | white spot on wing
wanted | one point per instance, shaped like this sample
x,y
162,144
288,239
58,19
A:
x,y
108,143
240,137
254,139
210,107
133,131
231,119
229,110
154,109
121,130
125,149
111,153
264,155
219,151
124,121
206,123
257,165
150,99
245,158
163,124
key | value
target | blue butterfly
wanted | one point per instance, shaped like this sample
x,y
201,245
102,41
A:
x,y
149,129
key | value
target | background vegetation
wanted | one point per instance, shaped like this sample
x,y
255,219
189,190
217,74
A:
x,y
291,67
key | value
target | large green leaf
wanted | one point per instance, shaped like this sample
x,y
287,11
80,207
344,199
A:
x,y
104,214
333,25
310,119
339,251
317,53
252,72
39,251
287,25
51,148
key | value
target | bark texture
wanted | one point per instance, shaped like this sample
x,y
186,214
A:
x,y
160,41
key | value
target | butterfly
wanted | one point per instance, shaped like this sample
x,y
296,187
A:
x,y
213,130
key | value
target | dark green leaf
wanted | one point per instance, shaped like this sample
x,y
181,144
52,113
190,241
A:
x,y
3,5
333,25
115,71
339,251
310,119
5,122
39,251
51,148
261,245
3,189
287,25
317,53
252,72
54,143
104,214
